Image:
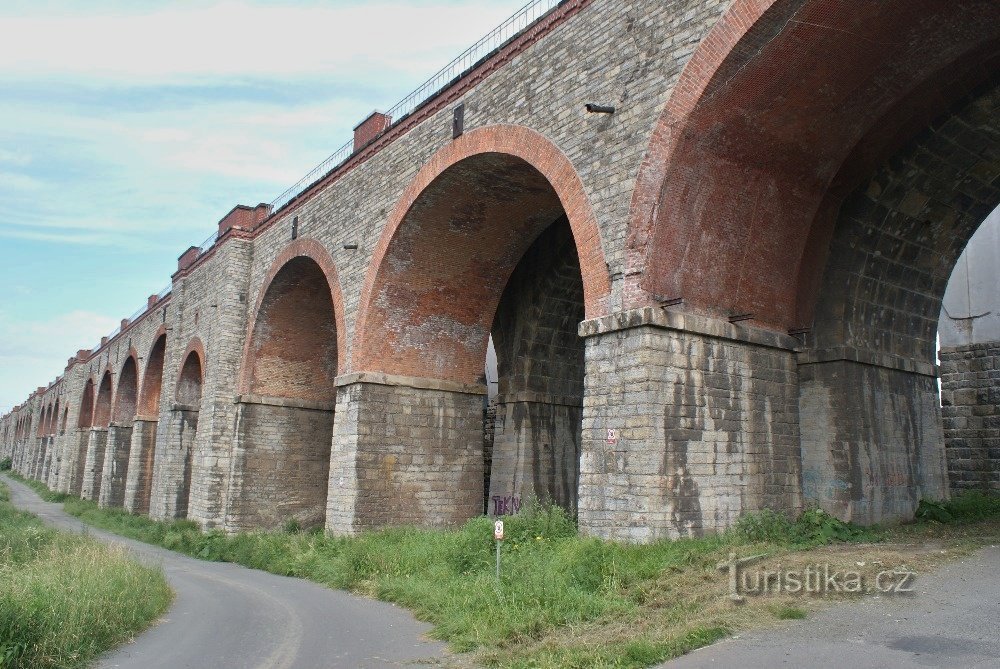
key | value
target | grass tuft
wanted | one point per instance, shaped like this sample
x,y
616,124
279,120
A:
x,y
787,612
67,598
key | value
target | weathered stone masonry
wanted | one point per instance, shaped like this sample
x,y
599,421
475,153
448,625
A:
x,y
717,299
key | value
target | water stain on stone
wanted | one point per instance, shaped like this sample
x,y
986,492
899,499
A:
x,y
681,427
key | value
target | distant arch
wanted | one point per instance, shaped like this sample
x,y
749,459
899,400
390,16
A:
x,y
192,375
102,407
86,419
126,396
152,381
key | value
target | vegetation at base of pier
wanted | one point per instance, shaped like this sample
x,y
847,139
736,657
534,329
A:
x,y
66,598
968,507
564,600
5,465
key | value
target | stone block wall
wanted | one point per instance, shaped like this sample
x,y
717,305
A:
x,y
688,423
139,476
116,460
171,486
536,452
281,464
970,399
405,451
872,445
93,468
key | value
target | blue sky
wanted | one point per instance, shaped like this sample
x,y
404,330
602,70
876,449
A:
x,y
128,129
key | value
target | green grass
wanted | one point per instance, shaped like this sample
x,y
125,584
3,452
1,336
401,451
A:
x,y
65,598
787,612
965,508
551,578
562,600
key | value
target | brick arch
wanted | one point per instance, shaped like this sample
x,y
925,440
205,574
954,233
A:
x,y
298,249
728,212
43,422
152,376
86,416
895,237
105,397
523,163
127,393
191,378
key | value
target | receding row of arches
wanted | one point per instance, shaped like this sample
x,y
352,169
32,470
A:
x,y
117,424
485,250
834,217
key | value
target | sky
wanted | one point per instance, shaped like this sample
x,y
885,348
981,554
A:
x,y
128,129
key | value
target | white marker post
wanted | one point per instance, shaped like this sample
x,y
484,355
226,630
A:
x,y
498,535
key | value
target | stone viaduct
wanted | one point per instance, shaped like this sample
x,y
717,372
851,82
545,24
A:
x,y
720,296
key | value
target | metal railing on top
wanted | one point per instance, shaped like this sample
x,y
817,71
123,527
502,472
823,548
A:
x,y
468,59
499,36
208,243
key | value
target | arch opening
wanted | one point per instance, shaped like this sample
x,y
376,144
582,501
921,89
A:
x,y
127,394
119,444
97,441
486,249
188,397
540,370
102,406
285,420
87,406
152,380
139,483
85,422
969,336
188,391
895,240
762,148
836,156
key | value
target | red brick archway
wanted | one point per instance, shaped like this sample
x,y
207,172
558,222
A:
x,y
192,374
785,104
514,161
105,397
300,248
86,416
152,377
127,394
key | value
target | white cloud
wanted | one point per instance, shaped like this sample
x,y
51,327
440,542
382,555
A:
x,y
135,126
235,38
